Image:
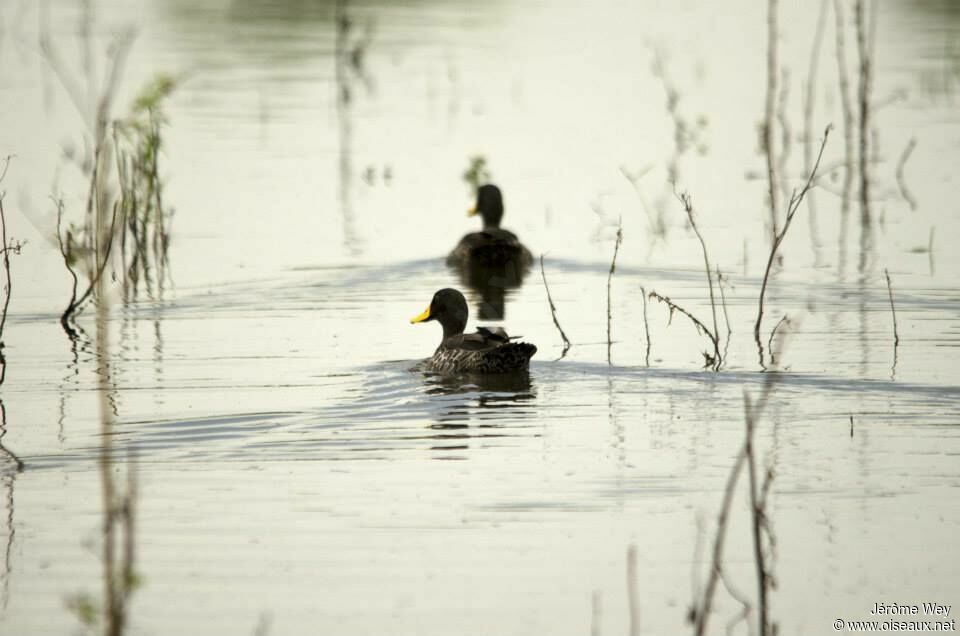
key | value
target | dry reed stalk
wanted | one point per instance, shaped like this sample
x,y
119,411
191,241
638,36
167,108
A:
x,y
896,335
553,311
613,267
893,311
726,316
795,200
709,361
646,323
688,208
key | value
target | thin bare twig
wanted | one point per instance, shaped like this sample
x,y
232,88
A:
x,y
6,166
687,203
901,181
893,313
646,323
68,262
8,290
701,328
553,311
6,247
726,316
613,266
773,333
76,304
792,208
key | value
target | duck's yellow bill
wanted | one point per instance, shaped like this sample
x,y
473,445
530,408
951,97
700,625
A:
x,y
424,316
472,210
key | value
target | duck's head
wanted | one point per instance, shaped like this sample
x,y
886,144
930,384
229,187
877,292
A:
x,y
489,205
449,308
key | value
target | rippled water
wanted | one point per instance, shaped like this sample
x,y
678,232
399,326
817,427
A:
x,y
286,439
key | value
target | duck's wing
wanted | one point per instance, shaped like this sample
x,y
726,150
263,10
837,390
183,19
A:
x,y
497,333
482,340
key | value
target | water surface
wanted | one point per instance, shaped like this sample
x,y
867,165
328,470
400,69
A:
x,y
298,472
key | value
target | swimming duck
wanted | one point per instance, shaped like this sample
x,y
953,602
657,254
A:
x,y
493,245
486,351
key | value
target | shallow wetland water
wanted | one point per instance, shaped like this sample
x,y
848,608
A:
x,y
297,473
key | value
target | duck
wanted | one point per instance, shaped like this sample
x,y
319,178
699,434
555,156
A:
x,y
493,245
485,351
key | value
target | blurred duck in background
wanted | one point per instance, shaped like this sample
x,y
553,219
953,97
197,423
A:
x,y
492,260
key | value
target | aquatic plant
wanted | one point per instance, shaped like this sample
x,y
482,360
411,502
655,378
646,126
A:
x,y
85,608
476,173
124,200
710,360
146,220
716,359
124,205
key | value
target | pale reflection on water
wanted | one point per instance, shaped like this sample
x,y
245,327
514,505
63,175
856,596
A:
x,y
287,441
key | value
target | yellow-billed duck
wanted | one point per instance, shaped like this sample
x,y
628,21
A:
x,y
493,245
486,351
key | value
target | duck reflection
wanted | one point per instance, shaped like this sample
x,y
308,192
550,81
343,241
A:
x,y
473,401
490,285
493,260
